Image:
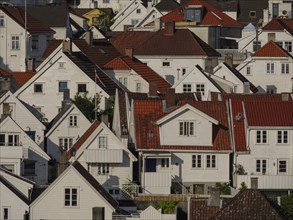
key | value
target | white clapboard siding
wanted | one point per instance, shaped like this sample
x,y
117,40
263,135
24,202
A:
x,y
267,181
104,156
11,152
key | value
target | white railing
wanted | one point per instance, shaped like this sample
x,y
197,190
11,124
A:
x,y
104,155
157,183
267,181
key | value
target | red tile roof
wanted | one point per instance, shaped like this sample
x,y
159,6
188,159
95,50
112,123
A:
x,y
83,138
200,210
271,49
33,25
269,114
212,16
280,24
52,45
20,77
126,63
146,112
182,43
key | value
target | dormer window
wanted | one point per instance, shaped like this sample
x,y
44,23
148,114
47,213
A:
x,y
193,14
252,14
186,128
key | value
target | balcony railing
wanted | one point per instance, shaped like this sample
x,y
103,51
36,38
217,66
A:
x,y
104,155
157,183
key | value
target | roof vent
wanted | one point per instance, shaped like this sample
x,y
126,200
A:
x,y
239,116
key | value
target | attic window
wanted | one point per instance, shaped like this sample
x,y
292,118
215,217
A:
x,y
1,21
166,64
138,11
252,14
61,65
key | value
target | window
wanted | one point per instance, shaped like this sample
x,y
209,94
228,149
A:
x,y
211,161
138,11
65,143
275,10
6,213
256,46
2,139
282,166
288,46
106,1
271,89
103,169
261,137
123,81
13,140
249,70
15,43
29,167
200,88
164,162
62,86
285,68
186,128
196,161
102,142
35,42
73,120
71,197
165,64
183,71
282,137
186,87
270,68
1,21
114,191
61,65
261,166
138,87
134,21
252,14
81,88
38,88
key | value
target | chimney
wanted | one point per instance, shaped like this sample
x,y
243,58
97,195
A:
x,y
214,199
89,37
5,84
170,98
31,64
246,88
209,66
129,52
153,89
285,96
63,162
6,109
169,28
229,59
66,99
105,119
67,46
158,24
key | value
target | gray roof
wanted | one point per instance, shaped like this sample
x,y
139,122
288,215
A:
x,y
245,6
167,5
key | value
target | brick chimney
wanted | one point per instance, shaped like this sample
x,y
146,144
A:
x,y
153,88
169,28
129,52
67,46
170,98
229,59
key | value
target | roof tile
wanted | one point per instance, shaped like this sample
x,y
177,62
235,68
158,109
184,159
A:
x,y
271,49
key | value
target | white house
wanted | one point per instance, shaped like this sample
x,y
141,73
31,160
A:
x,y
107,159
263,144
65,69
130,15
15,195
269,69
183,148
20,154
27,117
21,47
133,75
278,9
65,129
152,213
197,81
75,194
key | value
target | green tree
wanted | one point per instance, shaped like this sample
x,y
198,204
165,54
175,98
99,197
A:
x,y
287,203
87,105
224,188
168,207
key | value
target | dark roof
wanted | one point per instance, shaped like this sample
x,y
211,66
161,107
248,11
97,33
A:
x,y
32,110
182,43
200,210
245,6
241,78
149,75
95,184
52,45
14,190
57,118
80,11
167,5
56,16
94,72
33,25
250,204
101,52
224,5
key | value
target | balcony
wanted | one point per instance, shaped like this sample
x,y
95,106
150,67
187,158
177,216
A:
x,y
11,152
266,181
157,183
103,156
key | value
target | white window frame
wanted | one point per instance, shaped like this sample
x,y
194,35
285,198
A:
x,y
249,70
81,85
187,87
282,137
42,88
15,42
166,64
102,142
186,128
200,88
211,161
73,202
103,169
134,21
283,166
123,81
270,68
138,86
261,166
285,68
287,46
8,216
73,120
261,137
164,162
30,171
197,161
35,42
66,142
